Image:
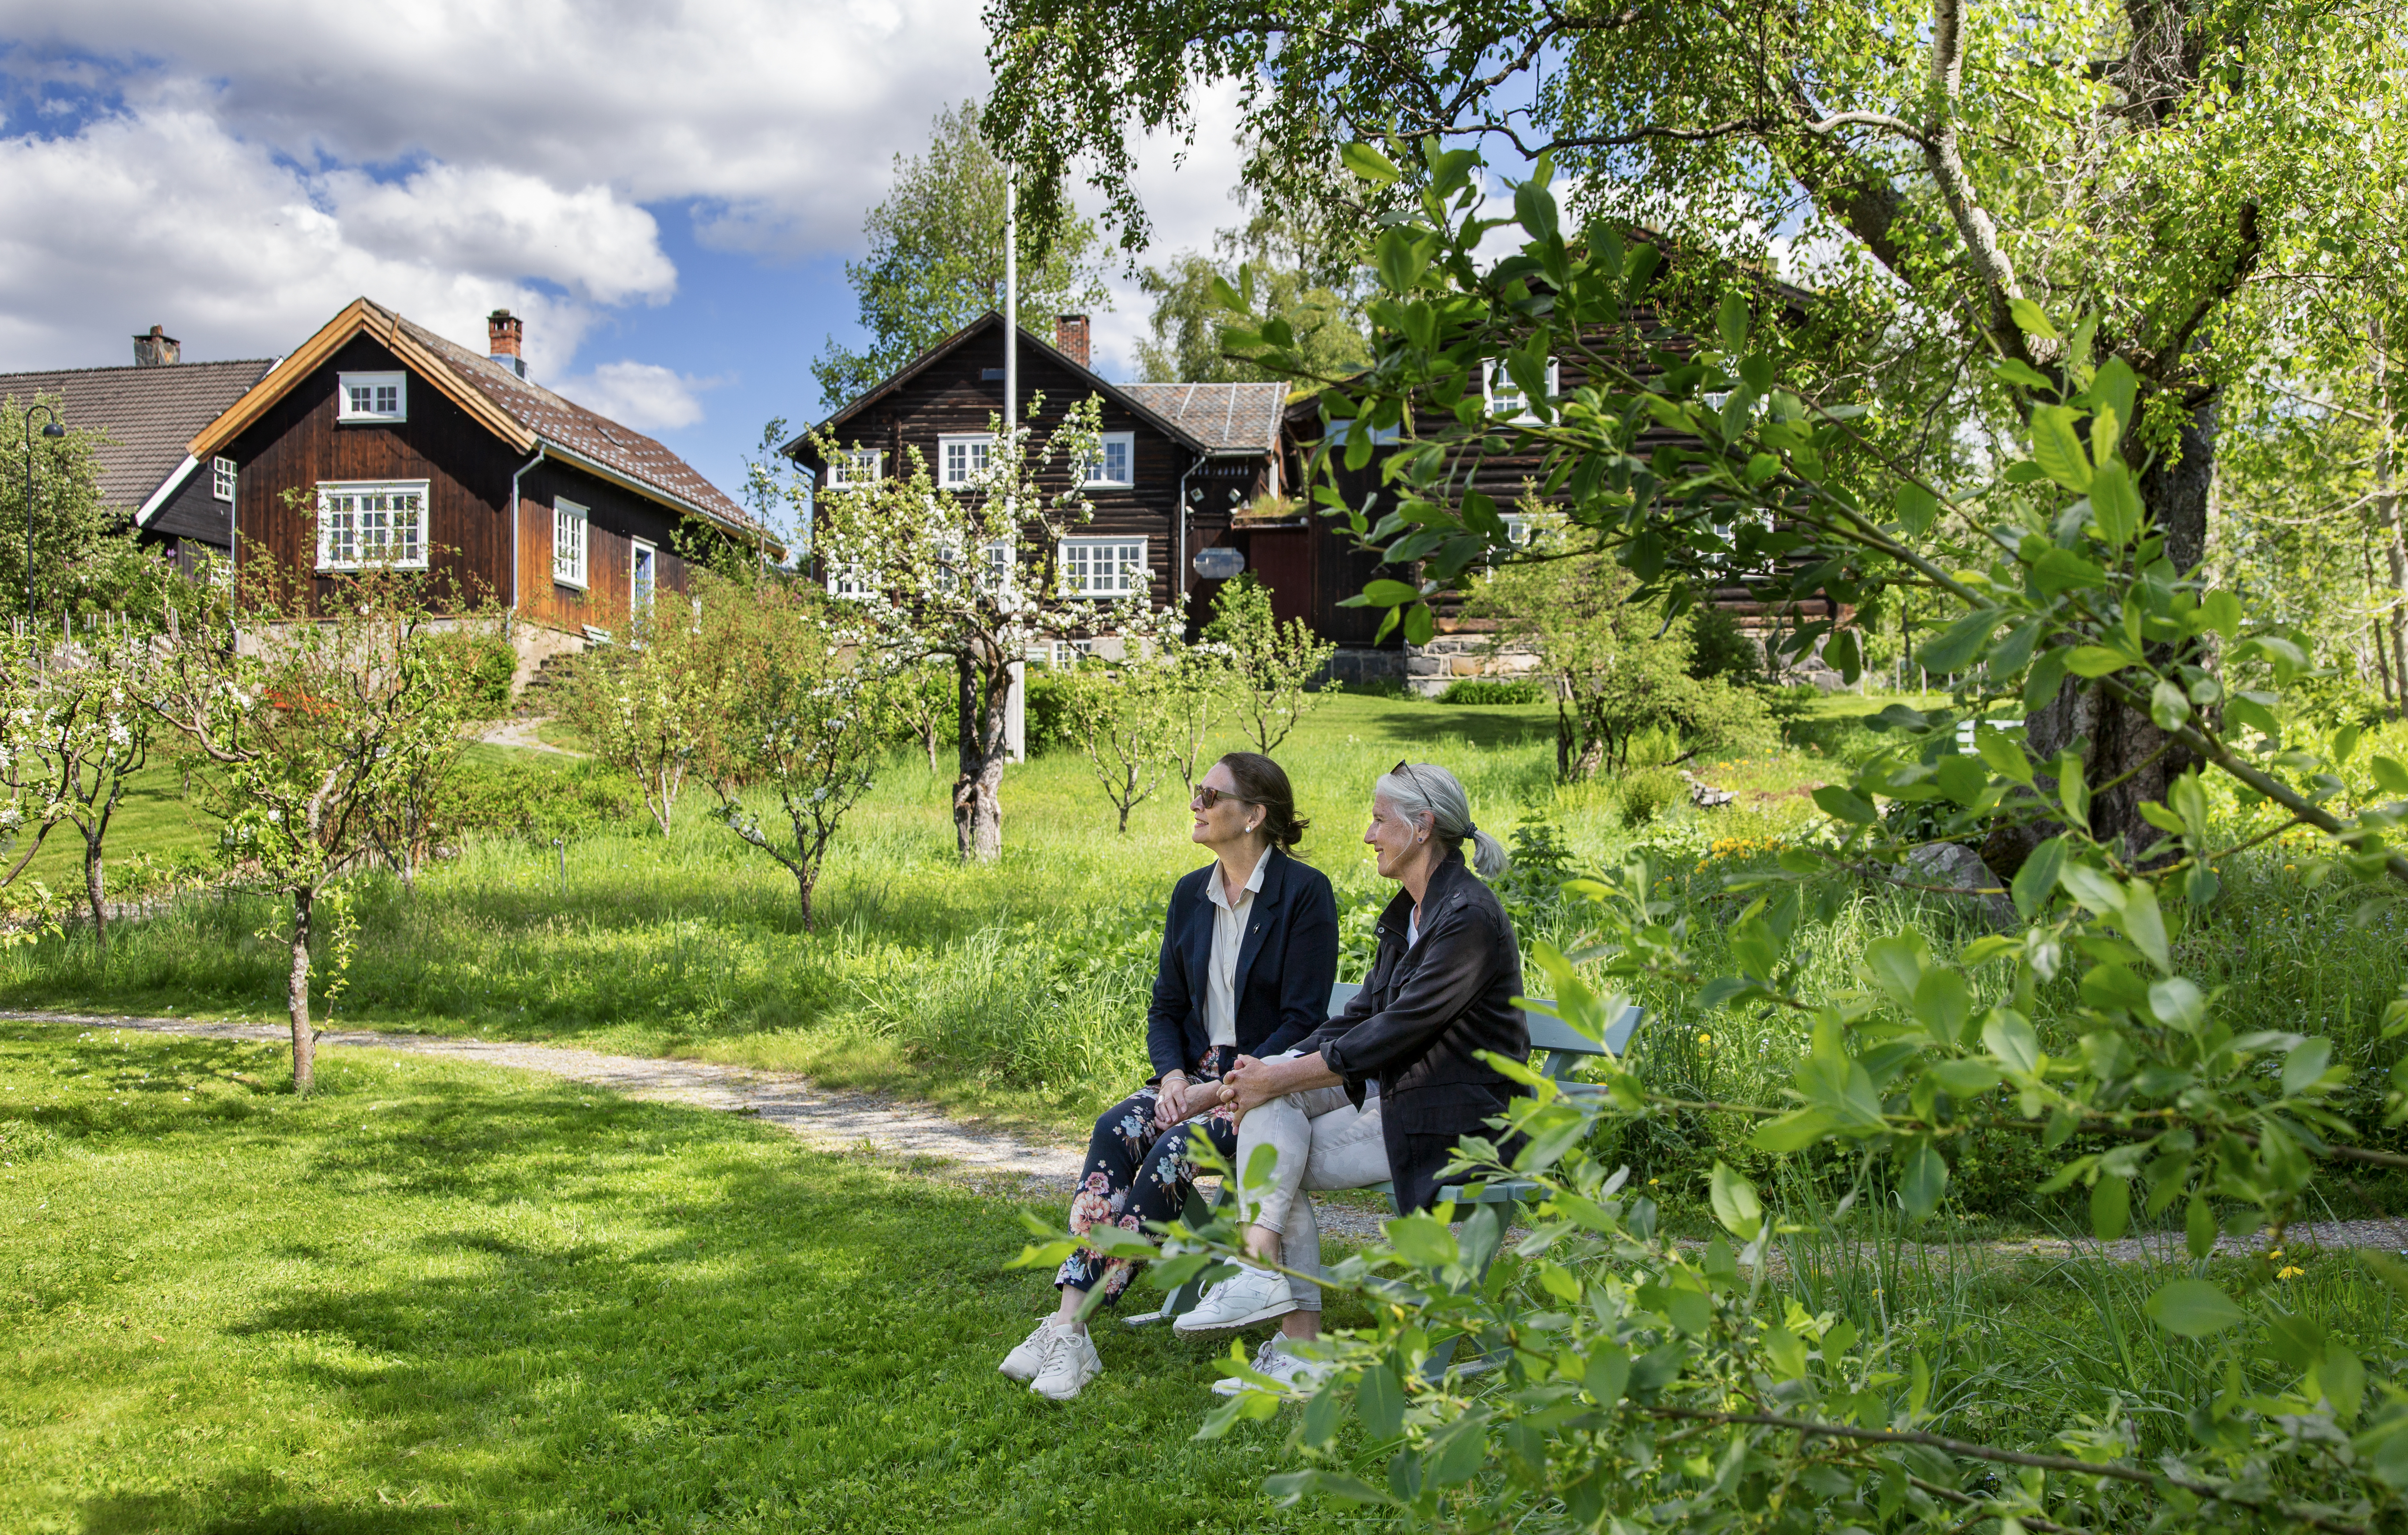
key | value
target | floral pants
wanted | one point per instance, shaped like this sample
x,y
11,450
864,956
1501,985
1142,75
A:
x,y
1136,1173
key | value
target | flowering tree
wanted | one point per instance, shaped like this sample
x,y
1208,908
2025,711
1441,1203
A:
x,y
646,711
75,734
795,710
313,722
971,574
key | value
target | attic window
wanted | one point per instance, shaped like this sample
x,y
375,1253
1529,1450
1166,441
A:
x,y
961,461
221,479
855,467
373,396
1504,397
1115,461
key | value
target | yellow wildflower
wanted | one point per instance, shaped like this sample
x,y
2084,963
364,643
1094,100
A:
x,y
1705,1038
2290,1272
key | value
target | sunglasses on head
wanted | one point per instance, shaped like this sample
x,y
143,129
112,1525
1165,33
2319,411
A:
x,y
1206,796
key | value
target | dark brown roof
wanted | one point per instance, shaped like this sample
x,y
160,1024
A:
x,y
1229,418
143,415
800,449
521,414
563,423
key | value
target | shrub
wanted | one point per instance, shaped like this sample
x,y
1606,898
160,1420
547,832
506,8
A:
x,y
1647,794
1049,727
1493,690
1718,647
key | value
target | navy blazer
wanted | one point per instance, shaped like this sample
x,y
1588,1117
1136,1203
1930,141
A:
x,y
1285,965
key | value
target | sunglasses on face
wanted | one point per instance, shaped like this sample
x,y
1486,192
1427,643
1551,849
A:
x,y
1206,796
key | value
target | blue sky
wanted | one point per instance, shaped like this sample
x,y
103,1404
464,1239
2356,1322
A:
x,y
665,190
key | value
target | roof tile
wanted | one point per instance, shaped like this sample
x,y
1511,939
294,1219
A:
x,y
1230,417
144,415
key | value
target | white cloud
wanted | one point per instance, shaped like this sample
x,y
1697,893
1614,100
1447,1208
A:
x,y
238,172
645,395
1185,189
781,118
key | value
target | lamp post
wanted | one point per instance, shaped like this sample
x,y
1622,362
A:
x,y
49,429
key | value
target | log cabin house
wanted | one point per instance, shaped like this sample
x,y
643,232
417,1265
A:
x,y
379,440
143,416
1181,464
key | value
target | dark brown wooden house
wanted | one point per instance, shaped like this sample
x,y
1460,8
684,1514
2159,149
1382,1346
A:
x,y
1182,463
143,416
400,446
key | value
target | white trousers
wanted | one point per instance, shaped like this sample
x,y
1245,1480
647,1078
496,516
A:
x,y
1322,1141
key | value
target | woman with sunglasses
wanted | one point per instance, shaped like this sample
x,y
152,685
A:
x,y
1249,950
1440,992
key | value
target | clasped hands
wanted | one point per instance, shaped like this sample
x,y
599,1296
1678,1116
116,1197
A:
x,y
1243,1086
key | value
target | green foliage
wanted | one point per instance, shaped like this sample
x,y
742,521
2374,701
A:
x,y
1272,663
1648,793
1720,648
1622,669
1493,690
1304,280
2154,1092
936,259
86,563
1046,724
1125,721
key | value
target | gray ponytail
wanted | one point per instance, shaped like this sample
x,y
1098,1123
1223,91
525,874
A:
x,y
1422,788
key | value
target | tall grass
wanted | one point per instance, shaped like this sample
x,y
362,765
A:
x,y
1020,987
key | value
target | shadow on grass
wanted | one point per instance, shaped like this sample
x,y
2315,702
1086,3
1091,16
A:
x,y
142,1513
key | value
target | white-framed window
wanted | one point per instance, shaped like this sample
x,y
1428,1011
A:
x,y
372,397
1517,528
997,556
855,466
961,460
371,522
643,573
1503,396
1104,567
849,585
569,525
1115,462
222,478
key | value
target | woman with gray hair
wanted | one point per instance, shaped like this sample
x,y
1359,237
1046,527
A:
x,y
1439,993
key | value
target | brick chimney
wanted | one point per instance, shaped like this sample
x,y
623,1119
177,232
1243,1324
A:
x,y
1070,337
504,331
157,349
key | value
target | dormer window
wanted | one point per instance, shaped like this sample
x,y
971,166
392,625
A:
x,y
373,396
1504,397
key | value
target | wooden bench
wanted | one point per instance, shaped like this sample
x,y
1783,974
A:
x,y
1563,1049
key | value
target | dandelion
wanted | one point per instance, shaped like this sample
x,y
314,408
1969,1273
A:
x,y
1653,1181
2290,1270
1705,1038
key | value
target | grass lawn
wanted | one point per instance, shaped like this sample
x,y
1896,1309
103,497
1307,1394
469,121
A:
x,y
444,1297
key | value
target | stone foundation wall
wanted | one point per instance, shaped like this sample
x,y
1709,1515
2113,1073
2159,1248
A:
x,y
1429,668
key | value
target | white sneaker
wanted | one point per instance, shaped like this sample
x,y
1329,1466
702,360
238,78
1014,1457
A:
x,y
1070,1363
1298,1374
1251,1295
1024,1362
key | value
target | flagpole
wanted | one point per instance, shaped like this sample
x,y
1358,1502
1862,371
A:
x,y
1015,709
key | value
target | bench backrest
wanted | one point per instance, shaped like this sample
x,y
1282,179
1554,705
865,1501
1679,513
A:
x,y
1564,1045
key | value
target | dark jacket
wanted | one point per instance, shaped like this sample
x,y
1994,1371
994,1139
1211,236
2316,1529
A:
x,y
1424,1013
1285,965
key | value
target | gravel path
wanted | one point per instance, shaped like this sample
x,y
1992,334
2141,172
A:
x,y
922,1140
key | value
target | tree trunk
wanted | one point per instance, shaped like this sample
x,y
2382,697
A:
x,y
2374,631
96,888
2125,743
805,879
2386,512
978,806
296,996
1563,733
